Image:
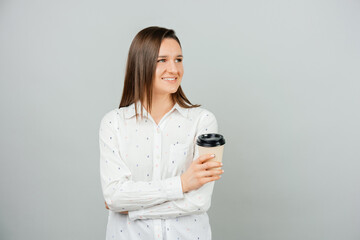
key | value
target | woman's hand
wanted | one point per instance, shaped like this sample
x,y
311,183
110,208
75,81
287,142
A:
x,y
200,172
107,207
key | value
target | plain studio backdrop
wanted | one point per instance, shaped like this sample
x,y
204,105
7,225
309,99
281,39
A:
x,y
282,78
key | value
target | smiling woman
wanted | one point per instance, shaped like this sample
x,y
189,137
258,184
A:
x,y
155,184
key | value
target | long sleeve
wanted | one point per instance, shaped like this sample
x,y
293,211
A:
x,y
194,202
120,192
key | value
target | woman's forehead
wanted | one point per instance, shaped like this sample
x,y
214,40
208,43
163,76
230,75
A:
x,y
170,47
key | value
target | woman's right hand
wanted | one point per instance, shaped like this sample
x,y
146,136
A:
x,y
200,172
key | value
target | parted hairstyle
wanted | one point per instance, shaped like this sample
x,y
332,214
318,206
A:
x,y
141,67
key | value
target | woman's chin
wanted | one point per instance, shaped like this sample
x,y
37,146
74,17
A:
x,y
166,91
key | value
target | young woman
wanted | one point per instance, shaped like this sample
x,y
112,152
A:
x,y
154,183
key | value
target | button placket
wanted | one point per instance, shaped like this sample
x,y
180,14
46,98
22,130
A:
x,y
157,153
157,175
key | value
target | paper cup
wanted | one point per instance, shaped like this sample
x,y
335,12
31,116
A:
x,y
211,143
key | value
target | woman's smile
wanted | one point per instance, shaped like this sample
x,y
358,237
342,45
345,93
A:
x,y
170,79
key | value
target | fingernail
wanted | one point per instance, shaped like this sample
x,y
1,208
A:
x,y
213,155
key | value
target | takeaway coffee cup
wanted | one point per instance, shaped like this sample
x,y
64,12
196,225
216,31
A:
x,y
211,143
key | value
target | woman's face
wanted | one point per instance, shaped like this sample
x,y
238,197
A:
x,y
169,68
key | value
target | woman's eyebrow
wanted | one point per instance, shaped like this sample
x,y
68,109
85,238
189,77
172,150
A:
x,y
167,56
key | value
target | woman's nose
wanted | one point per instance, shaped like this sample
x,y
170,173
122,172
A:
x,y
171,67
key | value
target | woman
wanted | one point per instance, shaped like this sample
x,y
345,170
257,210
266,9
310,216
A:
x,y
153,182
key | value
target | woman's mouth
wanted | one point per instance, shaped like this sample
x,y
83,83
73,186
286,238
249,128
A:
x,y
169,79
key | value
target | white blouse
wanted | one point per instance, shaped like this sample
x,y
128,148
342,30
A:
x,y
140,168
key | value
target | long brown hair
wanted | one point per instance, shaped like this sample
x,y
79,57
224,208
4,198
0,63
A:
x,y
141,66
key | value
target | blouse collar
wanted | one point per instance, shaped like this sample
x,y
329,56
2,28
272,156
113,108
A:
x,y
130,110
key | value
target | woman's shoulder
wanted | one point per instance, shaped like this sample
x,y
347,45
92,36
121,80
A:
x,y
204,119
113,114
200,112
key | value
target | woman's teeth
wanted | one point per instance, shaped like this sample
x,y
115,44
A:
x,y
169,79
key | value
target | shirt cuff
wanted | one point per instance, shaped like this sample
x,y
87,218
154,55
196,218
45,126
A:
x,y
137,214
173,188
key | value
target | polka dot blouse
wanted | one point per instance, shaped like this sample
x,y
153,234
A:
x,y
140,167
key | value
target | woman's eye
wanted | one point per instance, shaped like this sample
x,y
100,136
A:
x,y
164,60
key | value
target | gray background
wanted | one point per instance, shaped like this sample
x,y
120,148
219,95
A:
x,y
282,77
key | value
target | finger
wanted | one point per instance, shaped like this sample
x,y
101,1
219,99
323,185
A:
x,y
205,157
211,164
107,207
212,173
210,179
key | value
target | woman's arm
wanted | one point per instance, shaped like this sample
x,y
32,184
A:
x,y
194,202
120,192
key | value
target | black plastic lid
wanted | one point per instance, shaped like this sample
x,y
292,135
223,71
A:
x,y
210,140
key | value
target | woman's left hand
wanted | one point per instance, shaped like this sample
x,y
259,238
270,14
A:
x,y
107,207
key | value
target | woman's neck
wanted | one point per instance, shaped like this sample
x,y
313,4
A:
x,y
160,105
